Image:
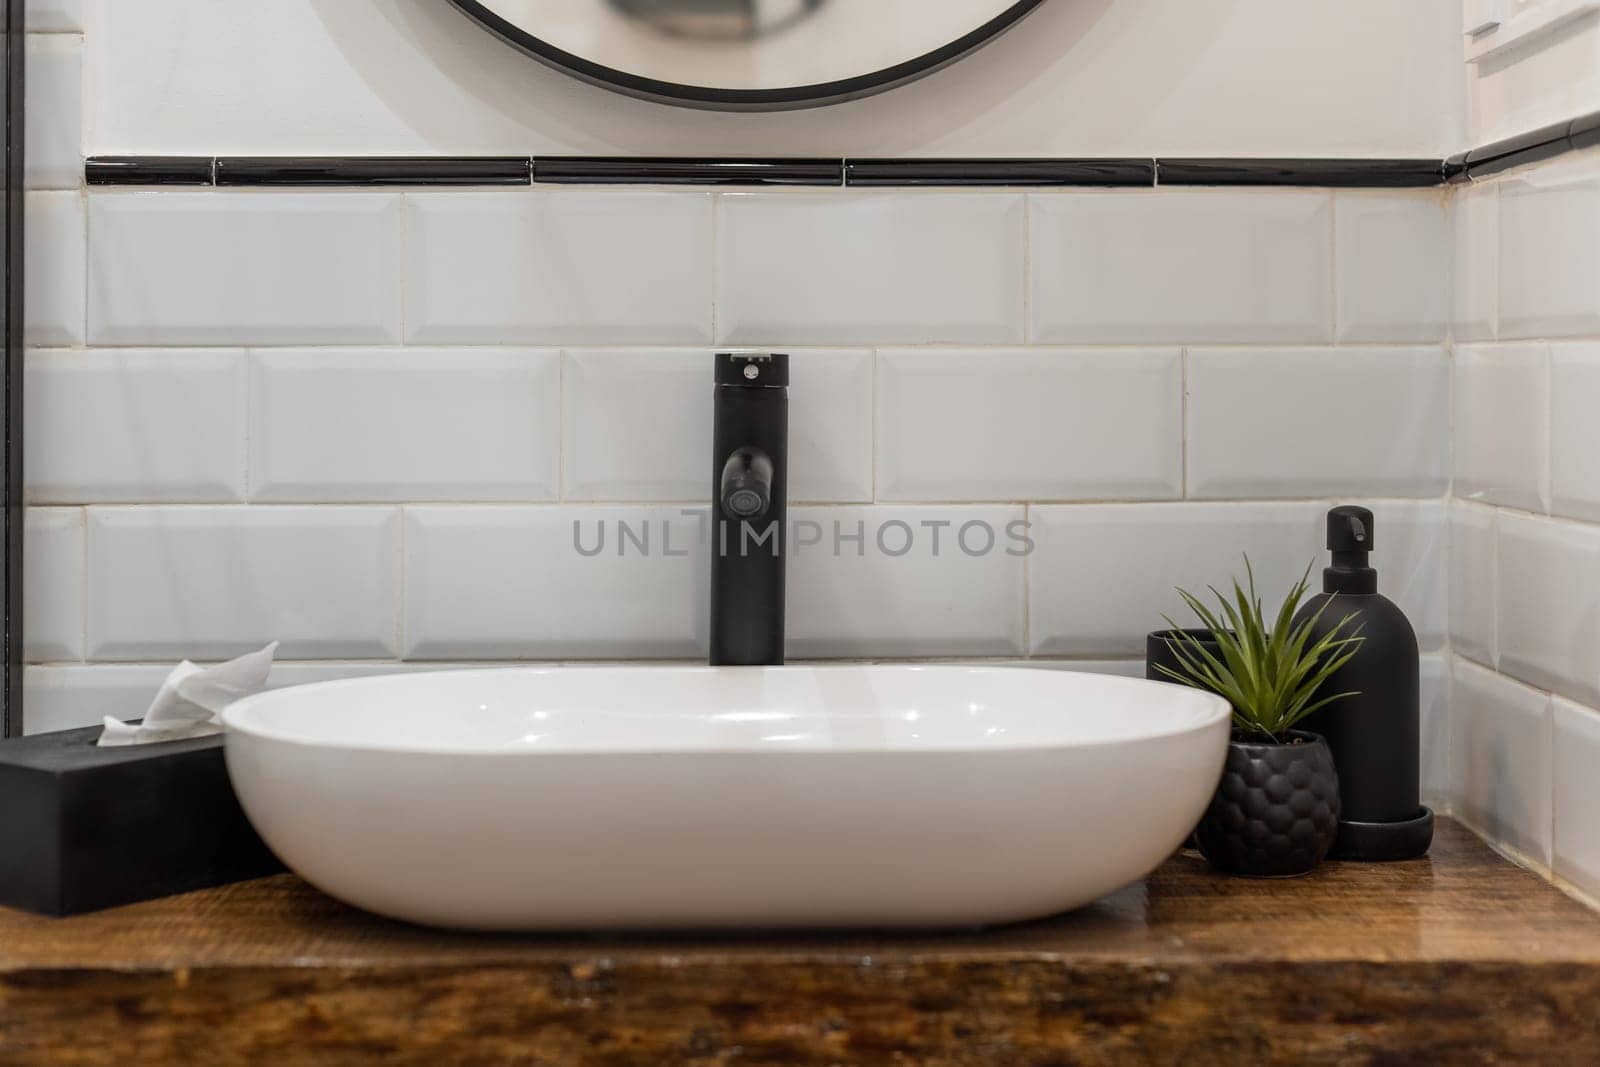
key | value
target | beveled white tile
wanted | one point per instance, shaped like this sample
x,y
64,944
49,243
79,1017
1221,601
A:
x,y
906,581
135,426
1549,268
53,154
543,582
568,267
989,424
1574,405
1472,581
53,299
1548,619
53,584
1435,731
69,697
170,583
1500,759
1411,546
1103,575
830,425
358,425
231,267
639,425
1502,424
54,16
1577,795
1392,267
1183,267
1318,422
843,268
1476,262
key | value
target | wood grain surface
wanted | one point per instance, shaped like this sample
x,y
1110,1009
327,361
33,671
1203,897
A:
x,y
1457,958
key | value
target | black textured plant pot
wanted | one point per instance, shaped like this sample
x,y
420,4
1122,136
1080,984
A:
x,y
1158,652
1276,811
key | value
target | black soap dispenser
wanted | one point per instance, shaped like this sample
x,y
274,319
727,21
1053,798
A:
x,y
1375,734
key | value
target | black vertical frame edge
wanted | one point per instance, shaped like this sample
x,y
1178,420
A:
x,y
11,438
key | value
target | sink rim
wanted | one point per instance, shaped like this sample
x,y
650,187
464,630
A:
x,y
244,716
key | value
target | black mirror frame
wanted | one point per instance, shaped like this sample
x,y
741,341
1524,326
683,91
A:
x,y
787,99
11,361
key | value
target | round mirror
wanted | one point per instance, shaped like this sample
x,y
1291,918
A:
x,y
748,54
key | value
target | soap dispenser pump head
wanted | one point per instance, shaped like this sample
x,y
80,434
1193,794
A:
x,y
1350,539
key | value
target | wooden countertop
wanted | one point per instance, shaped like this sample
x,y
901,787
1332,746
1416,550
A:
x,y
1458,958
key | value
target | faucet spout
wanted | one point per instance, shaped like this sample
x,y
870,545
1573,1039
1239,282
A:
x,y
750,455
747,483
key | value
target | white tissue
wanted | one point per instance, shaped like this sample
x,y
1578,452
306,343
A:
x,y
190,701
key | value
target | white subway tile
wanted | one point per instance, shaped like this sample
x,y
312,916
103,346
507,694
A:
x,y
74,696
1472,581
1574,407
1318,422
1435,731
639,425
231,267
930,581
542,267
52,589
1577,795
1500,759
542,582
1549,266
135,426
208,583
54,16
54,255
53,154
1184,267
1102,576
830,426
1476,261
1392,269
1030,425
1502,400
1410,551
839,268
1548,624
405,424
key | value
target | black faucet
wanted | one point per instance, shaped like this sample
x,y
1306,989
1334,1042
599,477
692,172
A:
x,y
750,456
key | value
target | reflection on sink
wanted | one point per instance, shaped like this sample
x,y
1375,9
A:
x,y
605,797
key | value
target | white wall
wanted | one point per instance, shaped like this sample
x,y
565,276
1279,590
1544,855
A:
x,y
1549,78
1525,598
362,422
1078,78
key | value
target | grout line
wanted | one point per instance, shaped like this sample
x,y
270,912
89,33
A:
x,y
400,612
1183,423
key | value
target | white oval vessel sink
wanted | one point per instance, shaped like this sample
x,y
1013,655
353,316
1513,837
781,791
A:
x,y
590,797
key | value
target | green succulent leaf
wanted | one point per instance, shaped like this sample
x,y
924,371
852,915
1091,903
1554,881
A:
x,y
1273,675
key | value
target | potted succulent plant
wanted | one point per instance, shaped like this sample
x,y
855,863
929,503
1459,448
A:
x,y
1276,809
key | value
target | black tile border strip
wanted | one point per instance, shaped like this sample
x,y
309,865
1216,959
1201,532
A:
x,y
373,170
661,170
1322,173
148,170
1486,161
1531,147
1031,172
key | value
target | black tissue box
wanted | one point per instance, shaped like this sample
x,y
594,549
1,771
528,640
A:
x,y
83,827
